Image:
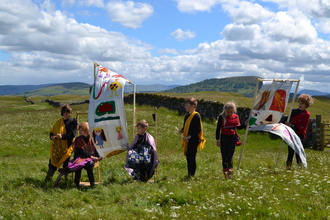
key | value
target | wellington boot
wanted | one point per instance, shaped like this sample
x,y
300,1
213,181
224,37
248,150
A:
x,y
288,165
49,176
230,172
300,166
226,172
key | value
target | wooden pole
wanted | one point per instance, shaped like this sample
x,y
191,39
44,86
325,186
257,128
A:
x,y
134,108
247,126
95,65
293,100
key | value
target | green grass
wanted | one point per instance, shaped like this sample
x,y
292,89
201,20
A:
x,y
257,191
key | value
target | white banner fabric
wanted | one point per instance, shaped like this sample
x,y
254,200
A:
x,y
287,134
106,113
270,102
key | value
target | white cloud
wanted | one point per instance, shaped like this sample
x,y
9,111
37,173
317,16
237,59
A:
x,y
258,42
55,33
129,14
168,50
196,5
88,3
319,10
323,25
67,3
293,26
235,32
181,35
246,12
48,6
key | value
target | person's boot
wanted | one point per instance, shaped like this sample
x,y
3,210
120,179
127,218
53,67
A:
x,y
300,165
226,172
230,172
288,165
299,162
49,176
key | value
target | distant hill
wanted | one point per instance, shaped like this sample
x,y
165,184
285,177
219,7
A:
x,y
313,92
244,85
74,88
12,89
148,88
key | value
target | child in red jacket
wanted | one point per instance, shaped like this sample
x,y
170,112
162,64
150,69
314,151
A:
x,y
299,121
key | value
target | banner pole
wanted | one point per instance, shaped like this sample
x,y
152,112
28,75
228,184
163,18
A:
x,y
95,65
247,126
278,156
134,108
293,100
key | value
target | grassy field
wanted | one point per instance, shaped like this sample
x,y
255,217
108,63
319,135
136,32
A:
x,y
257,191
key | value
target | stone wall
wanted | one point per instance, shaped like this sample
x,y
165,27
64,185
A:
x,y
207,109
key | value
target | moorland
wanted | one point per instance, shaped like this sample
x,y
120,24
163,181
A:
x,y
258,190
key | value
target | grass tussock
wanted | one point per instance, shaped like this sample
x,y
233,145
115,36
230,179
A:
x,y
258,190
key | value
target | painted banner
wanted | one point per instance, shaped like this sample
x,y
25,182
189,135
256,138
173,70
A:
x,y
268,108
287,134
106,113
270,102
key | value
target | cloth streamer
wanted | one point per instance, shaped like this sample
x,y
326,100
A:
x,y
287,134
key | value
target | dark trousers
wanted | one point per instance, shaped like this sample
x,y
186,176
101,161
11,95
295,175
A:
x,y
191,157
227,150
89,168
291,153
52,167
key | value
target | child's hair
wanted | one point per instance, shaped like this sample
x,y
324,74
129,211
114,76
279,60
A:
x,y
191,101
84,126
228,105
143,124
66,108
306,99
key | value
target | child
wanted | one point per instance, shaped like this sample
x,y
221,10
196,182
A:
x,y
61,134
226,139
299,121
192,133
142,158
84,148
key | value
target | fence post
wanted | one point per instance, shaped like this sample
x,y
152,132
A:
x,y
322,137
318,137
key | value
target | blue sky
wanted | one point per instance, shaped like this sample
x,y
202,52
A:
x,y
172,42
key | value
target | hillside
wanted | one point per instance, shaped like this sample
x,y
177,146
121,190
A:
x,y
313,92
75,88
148,88
244,85
15,89
241,85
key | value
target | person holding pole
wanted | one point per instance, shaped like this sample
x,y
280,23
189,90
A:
x,y
298,121
226,136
